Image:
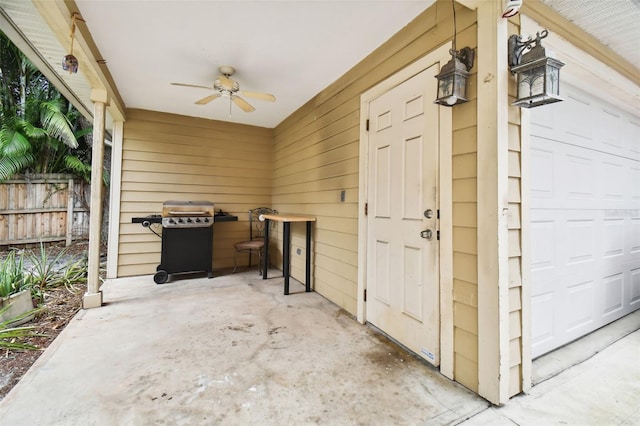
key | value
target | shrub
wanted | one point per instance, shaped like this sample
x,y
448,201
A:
x,y
12,277
39,272
10,337
50,271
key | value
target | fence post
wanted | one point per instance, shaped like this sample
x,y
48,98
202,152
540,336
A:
x,y
69,212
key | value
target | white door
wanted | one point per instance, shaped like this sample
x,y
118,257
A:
x,y
402,261
585,218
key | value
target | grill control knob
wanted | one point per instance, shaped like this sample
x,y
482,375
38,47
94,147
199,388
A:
x,y
172,221
197,220
188,220
206,220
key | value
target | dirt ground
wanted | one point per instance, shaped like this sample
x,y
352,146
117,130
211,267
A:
x,y
58,309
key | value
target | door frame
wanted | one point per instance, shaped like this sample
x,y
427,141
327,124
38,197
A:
x,y
439,56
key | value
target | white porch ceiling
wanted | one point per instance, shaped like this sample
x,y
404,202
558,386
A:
x,y
290,48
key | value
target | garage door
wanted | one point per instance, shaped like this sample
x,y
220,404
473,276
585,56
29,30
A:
x,y
585,218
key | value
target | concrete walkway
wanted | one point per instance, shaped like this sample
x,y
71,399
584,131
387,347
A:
x,y
234,351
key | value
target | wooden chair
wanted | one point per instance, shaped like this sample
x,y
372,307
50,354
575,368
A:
x,y
255,243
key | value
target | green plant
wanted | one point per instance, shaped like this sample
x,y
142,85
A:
x,y
40,130
49,271
12,278
73,274
10,336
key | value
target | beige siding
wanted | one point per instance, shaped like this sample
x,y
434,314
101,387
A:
x,y
515,239
465,226
316,155
167,157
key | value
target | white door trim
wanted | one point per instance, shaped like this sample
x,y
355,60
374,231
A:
x,y
440,55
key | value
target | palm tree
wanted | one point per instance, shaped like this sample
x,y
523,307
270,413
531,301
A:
x,y
39,128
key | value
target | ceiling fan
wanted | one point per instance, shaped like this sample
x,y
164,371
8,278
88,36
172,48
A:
x,y
225,87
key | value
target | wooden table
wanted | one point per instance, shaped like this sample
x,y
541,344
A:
x,y
286,219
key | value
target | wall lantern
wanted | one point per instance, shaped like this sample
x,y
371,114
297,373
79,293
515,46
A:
x,y
453,77
70,62
538,75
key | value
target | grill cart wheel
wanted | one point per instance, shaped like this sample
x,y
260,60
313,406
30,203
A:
x,y
161,276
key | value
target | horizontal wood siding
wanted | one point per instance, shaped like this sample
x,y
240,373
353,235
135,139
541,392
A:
x,y
172,157
317,154
465,224
515,238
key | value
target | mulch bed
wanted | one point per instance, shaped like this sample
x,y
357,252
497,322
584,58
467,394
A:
x,y
58,309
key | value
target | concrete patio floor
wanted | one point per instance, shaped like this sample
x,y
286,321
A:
x,y
234,350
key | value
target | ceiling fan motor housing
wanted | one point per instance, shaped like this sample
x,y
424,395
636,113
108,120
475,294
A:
x,y
224,85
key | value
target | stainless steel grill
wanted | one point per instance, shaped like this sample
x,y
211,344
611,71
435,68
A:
x,y
187,239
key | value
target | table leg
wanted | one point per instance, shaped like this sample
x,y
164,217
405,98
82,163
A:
x,y
308,260
265,260
286,248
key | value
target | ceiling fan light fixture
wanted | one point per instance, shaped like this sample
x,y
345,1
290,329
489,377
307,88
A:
x,y
70,62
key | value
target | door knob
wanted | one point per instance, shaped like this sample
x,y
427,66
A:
x,y
427,234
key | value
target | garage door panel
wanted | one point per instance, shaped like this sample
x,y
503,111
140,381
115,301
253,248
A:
x,y
566,176
613,173
581,300
542,170
613,292
634,298
580,123
599,126
543,245
582,171
614,239
634,236
634,178
610,129
580,244
585,218
633,140
543,320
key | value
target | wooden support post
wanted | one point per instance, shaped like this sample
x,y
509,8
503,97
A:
x,y
93,296
493,179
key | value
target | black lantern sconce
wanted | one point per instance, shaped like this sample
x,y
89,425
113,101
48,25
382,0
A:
x,y
70,62
453,77
538,75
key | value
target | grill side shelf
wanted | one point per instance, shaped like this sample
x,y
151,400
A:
x,y
150,219
224,218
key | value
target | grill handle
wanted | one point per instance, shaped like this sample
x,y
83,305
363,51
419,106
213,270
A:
x,y
198,213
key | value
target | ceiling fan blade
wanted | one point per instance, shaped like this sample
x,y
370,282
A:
x,y
244,105
191,85
208,99
258,95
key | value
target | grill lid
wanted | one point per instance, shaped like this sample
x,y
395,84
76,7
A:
x,y
176,208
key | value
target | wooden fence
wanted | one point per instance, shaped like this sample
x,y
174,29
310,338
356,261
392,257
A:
x,y
43,208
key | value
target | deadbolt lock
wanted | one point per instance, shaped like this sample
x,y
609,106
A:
x,y
428,213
